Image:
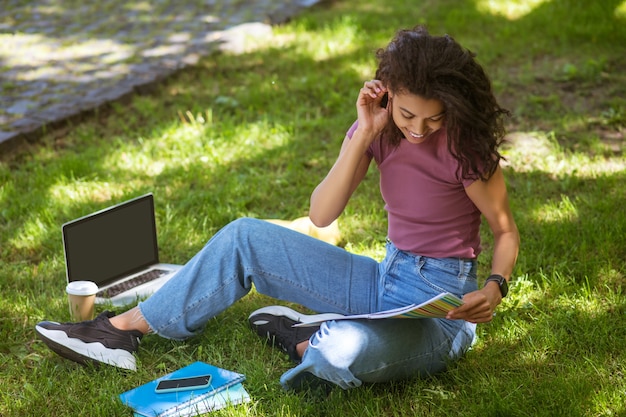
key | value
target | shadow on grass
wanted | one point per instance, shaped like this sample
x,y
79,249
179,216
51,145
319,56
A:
x,y
570,224
564,361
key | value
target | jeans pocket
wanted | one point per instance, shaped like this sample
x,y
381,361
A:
x,y
449,275
404,285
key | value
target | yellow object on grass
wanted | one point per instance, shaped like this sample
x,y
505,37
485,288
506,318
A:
x,y
329,234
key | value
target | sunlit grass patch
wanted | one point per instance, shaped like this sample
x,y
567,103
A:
x,y
563,210
511,9
529,151
332,39
620,11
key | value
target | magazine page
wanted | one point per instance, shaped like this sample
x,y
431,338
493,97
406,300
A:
x,y
436,307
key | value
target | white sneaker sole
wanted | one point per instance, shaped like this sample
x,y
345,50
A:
x,y
283,311
79,351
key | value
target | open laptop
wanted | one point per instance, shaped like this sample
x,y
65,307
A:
x,y
117,249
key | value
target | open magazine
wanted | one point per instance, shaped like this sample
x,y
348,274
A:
x,y
436,307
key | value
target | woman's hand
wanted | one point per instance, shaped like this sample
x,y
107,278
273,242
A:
x,y
372,117
478,306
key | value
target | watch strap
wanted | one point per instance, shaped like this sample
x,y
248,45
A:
x,y
502,283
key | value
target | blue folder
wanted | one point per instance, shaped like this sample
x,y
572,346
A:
x,y
225,388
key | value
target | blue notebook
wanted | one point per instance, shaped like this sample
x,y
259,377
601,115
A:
x,y
225,388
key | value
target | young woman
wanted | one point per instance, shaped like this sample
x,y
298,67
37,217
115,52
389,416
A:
x,y
431,123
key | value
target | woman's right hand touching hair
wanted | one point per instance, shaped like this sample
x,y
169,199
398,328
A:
x,y
373,117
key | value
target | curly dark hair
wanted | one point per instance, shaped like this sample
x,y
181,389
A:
x,y
437,67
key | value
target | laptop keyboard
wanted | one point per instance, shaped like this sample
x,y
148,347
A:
x,y
131,283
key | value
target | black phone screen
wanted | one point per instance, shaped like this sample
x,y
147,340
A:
x,y
384,101
182,383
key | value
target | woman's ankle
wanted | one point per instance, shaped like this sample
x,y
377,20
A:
x,y
131,320
301,348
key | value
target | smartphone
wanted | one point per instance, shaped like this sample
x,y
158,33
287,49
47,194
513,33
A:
x,y
384,101
183,384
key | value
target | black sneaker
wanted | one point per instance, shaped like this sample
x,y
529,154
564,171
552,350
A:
x,y
95,341
275,323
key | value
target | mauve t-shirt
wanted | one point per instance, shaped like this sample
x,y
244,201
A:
x,y
429,212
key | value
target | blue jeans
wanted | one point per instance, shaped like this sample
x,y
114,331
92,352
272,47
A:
x,y
291,266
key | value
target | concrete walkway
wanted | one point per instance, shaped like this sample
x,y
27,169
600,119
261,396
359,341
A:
x,y
61,58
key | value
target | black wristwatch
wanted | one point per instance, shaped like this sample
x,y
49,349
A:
x,y
504,286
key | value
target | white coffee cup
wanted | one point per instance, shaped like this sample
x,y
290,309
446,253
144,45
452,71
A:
x,y
82,297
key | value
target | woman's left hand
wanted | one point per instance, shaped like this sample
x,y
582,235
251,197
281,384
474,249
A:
x,y
478,306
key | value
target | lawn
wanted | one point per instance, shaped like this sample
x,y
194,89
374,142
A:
x,y
252,134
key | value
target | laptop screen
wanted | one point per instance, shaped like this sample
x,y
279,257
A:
x,y
111,243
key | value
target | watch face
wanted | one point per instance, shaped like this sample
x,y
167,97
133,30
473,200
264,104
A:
x,y
504,287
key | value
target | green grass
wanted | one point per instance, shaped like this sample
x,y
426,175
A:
x,y
252,134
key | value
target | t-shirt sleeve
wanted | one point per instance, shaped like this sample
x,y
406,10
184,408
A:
x,y
352,129
350,132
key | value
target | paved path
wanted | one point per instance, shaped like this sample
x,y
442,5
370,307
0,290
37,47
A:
x,y
60,58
